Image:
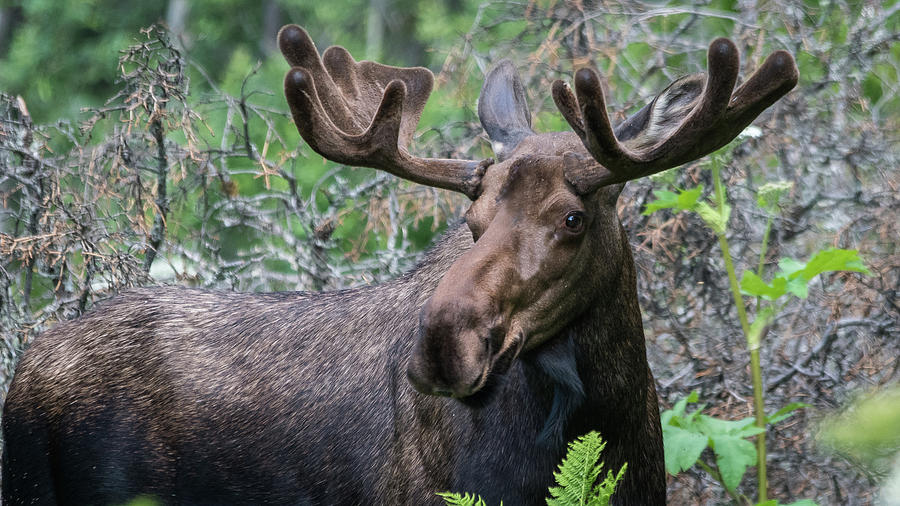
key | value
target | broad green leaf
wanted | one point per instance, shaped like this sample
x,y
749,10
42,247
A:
x,y
680,406
664,200
788,266
834,259
688,198
785,412
797,286
682,448
751,284
733,455
712,426
794,276
683,200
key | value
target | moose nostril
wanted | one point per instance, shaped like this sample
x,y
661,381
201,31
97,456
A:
x,y
496,336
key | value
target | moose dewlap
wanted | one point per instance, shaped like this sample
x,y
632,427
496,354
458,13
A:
x,y
520,330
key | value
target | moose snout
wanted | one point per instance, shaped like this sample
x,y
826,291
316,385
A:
x,y
452,354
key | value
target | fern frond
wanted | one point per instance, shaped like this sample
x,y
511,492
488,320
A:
x,y
578,474
603,492
456,499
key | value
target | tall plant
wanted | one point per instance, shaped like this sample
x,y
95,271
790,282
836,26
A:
x,y
687,435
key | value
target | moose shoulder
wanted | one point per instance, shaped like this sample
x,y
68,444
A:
x,y
519,331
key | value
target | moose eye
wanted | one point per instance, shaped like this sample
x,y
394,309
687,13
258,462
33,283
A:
x,y
574,221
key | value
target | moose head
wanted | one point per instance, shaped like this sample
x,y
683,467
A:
x,y
547,241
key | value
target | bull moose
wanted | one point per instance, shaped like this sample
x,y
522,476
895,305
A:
x,y
517,332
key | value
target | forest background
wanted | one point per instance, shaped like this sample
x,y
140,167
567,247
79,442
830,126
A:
x,y
149,142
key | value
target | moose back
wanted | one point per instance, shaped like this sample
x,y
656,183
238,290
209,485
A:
x,y
519,330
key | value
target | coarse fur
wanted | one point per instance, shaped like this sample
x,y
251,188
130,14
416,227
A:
x,y
518,332
301,398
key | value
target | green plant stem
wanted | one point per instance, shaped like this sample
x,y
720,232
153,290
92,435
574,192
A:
x,y
755,370
762,261
718,477
764,246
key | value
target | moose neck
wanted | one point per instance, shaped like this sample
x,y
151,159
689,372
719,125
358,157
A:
x,y
619,392
594,373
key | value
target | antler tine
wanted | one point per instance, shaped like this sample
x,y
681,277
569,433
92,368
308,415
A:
x,y
364,114
714,119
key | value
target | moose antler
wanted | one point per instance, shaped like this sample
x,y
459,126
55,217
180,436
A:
x,y
365,114
713,117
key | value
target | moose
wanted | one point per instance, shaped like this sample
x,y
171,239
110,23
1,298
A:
x,y
518,331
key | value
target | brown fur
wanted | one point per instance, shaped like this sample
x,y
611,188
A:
x,y
468,373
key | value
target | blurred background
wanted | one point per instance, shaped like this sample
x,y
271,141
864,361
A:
x,y
149,142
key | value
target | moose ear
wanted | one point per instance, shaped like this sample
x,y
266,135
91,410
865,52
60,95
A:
x,y
502,109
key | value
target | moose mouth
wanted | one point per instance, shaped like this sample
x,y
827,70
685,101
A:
x,y
494,376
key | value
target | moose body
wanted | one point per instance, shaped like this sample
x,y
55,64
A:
x,y
519,331
302,398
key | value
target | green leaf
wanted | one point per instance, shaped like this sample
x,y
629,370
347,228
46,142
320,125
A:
x,y
785,412
833,259
794,276
712,426
664,200
751,284
680,406
683,200
797,286
788,266
688,198
803,502
733,455
682,448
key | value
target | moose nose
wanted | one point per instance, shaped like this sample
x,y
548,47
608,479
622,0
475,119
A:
x,y
453,350
419,378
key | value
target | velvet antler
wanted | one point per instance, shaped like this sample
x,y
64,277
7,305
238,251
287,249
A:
x,y
691,118
365,114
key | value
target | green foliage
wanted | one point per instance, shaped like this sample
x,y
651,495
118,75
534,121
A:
x,y
61,56
576,479
794,276
769,195
801,502
687,435
455,499
143,500
868,431
689,200
578,474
